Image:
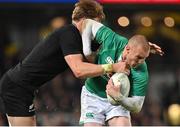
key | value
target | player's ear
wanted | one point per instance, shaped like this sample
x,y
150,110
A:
x,y
127,48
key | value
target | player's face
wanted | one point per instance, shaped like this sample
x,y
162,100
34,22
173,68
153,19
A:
x,y
136,56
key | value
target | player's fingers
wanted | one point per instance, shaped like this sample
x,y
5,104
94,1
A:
x,y
127,71
160,52
154,46
150,43
110,82
107,86
117,86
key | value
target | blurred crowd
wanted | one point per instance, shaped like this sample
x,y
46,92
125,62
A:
x,y
58,101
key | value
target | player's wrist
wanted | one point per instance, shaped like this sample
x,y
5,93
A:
x,y
107,68
119,98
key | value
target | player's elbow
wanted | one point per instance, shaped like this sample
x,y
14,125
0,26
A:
x,y
78,74
138,104
137,109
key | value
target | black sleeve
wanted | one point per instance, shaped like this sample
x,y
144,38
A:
x,y
71,42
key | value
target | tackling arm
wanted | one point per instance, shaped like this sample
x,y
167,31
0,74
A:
x,y
83,69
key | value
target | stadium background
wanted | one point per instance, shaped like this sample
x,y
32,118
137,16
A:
x,y
23,23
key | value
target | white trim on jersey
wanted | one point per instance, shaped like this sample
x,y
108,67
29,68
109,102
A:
x,y
88,34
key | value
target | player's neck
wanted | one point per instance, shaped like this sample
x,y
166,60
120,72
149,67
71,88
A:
x,y
78,25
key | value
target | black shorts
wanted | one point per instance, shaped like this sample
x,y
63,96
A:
x,y
14,99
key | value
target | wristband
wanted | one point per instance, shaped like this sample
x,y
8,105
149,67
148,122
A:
x,y
108,68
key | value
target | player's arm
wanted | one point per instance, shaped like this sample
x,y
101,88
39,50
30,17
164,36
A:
x,y
71,46
139,82
83,69
89,30
133,104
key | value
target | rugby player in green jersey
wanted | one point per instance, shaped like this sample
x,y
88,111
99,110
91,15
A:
x,y
95,108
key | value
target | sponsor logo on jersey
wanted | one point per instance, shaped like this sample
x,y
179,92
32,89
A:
x,y
109,60
31,108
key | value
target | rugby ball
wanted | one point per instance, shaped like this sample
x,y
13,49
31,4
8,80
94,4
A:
x,y
122,80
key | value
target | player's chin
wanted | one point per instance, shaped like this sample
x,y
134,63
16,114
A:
x,y
133,65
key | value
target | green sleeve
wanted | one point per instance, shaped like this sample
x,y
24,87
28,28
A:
x,y
110,39
139,80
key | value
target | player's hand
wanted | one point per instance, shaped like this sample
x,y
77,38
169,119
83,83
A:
x,y
112,90
155,49
121,66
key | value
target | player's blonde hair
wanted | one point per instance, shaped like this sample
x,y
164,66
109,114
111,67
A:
x,y
88,9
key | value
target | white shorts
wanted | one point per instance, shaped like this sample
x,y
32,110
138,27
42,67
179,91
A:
x,y
97,109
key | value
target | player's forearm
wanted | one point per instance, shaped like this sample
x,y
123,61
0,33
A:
x,y
133,104
85,70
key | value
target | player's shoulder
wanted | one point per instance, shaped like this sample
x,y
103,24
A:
x,y
67,29
141,67
89,20
123,39
92,22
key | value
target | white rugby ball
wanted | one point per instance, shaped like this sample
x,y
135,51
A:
x,y
122,80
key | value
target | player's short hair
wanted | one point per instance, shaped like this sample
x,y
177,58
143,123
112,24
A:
x,y
139,40
88,9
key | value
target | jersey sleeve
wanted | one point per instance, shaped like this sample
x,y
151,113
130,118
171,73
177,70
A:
x,y
111,40
71,43
139,80
90,28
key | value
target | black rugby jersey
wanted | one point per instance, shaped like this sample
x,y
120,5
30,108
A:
x,y
46,60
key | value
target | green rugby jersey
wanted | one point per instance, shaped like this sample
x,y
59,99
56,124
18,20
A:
x,y
112,45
